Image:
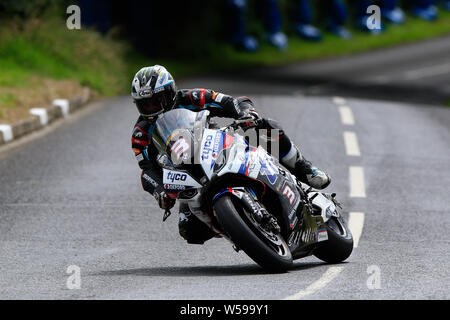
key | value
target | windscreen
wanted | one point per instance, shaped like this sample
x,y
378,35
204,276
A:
x,y
174,134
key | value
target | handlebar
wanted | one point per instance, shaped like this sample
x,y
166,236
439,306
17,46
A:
x,y
245,123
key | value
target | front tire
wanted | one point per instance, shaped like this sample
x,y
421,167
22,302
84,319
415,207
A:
x,y
339,245
249,239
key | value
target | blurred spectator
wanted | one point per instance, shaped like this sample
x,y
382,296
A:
x,y
303,18
334,13
237,13
424,9
391,12
271,16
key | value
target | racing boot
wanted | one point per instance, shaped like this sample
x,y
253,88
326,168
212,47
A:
x,y
304,170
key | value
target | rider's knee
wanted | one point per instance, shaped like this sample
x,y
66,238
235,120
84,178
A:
x,y
191,228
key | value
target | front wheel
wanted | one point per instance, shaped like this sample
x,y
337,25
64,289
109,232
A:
x,y
339,245
267,249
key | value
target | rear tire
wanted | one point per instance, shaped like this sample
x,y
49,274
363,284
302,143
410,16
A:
x,y
339,245
246,238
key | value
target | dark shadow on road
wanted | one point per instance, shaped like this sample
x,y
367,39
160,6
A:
x,y
203,271
264,81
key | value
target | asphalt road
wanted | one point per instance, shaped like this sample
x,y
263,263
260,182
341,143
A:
x,y
413,73
73,198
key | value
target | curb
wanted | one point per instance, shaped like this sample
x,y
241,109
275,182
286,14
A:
x,y
42,117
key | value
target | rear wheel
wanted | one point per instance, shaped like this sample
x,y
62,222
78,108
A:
x,y
339,245
266,248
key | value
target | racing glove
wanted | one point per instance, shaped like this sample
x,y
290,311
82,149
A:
x,y
248,115
164,201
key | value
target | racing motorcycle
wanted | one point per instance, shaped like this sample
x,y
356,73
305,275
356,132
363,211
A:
x,y
245,195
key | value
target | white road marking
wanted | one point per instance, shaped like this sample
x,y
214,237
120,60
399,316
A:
x,y
427,72
339,100
326,278
351,144
356,224
357,186
346,115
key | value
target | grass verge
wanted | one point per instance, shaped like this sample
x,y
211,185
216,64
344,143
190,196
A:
x,y
40,60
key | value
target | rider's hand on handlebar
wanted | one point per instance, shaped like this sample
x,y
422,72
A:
x,y
250,115
250,119
254,114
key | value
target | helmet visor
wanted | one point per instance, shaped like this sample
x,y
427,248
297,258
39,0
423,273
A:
x,y
150,106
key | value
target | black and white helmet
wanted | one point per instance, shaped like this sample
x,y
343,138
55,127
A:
x,y
153,90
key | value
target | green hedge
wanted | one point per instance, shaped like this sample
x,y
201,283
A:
x,y
27,8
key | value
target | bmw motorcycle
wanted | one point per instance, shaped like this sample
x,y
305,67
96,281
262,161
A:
x,y
245,195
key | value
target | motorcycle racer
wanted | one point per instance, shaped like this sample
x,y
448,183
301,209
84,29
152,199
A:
x,y
154,91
